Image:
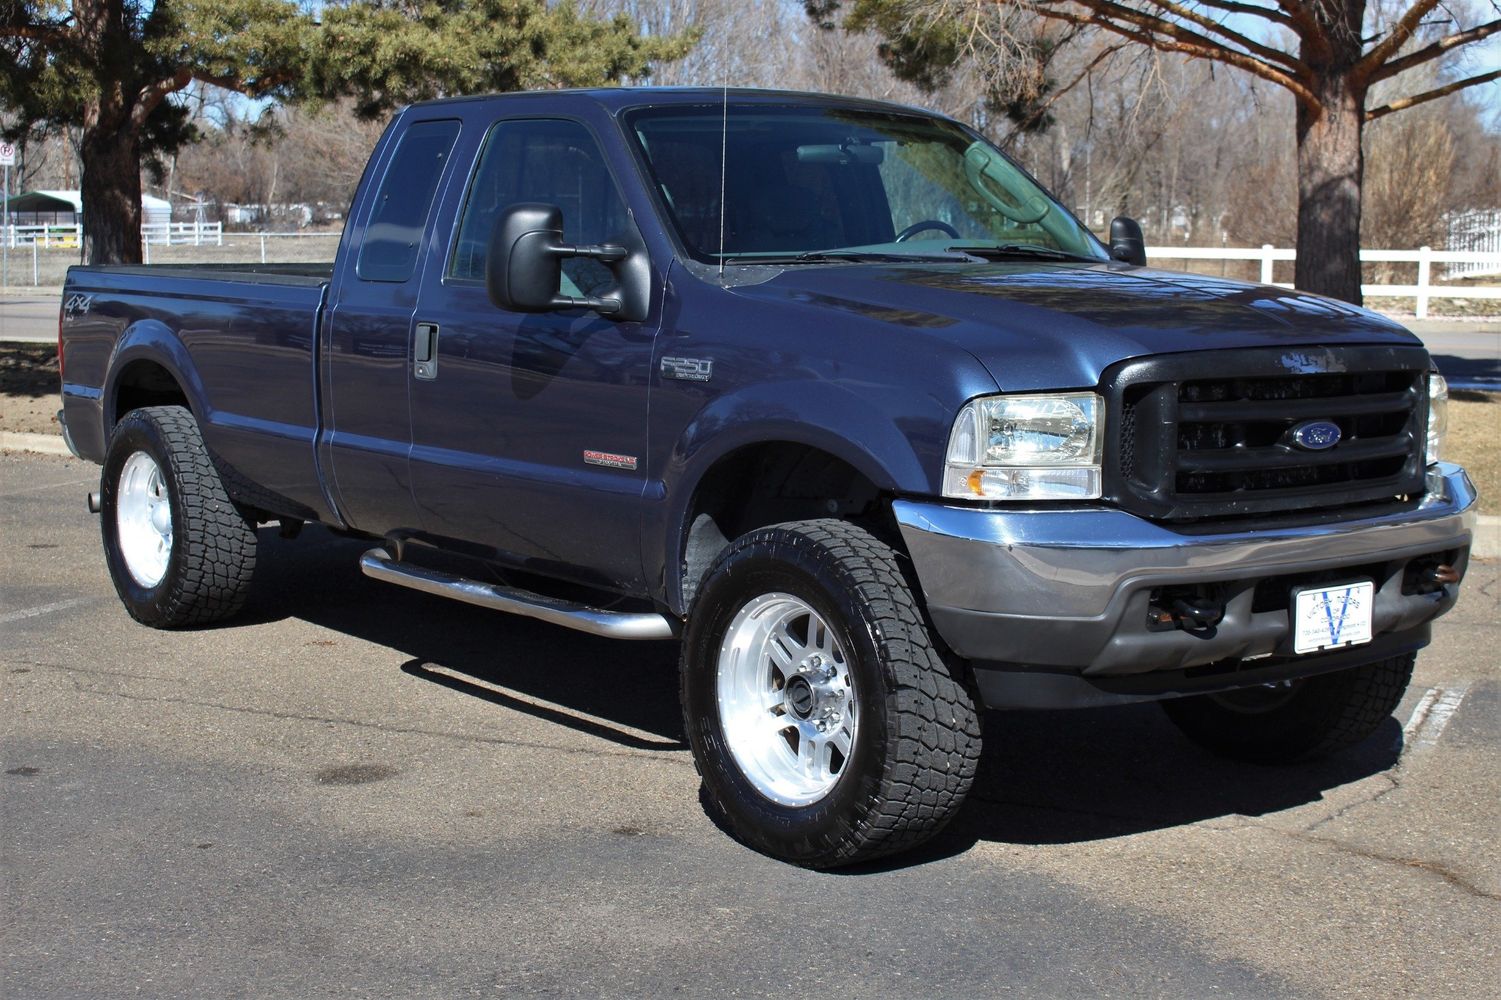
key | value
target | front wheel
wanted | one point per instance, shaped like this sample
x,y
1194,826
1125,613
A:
x,y
1295,720
825,726
179,552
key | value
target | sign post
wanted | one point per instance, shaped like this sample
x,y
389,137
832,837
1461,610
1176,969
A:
x,y
7,160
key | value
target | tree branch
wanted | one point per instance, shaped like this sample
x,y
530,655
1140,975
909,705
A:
x,y
1210,24
1162,26
1251,10
1057,94
1180,40
154,93
257,87
1436,49
47,34
1395,39
1432,95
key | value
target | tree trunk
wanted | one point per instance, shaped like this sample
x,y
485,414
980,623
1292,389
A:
x,y
1330,164
111,190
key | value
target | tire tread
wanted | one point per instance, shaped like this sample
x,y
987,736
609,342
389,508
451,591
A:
x,y
935,726
214,542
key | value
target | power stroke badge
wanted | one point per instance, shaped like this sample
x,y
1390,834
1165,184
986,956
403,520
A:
x,y
609,460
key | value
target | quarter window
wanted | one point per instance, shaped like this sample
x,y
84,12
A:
x,y
393,235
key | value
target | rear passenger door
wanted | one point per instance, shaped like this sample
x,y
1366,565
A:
x,y
369,330
529,430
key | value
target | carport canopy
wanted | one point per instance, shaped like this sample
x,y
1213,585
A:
x,y
36,204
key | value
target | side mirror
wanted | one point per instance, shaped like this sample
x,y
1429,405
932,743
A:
x,y
1126,242
524,266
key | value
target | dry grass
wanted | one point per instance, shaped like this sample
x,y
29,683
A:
x,y
1474,441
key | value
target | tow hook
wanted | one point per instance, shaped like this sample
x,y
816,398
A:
x,y
1189,615
93,502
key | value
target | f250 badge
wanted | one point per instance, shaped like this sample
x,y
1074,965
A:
x,y
688,369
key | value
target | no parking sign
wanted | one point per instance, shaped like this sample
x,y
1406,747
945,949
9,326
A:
x,y
7,154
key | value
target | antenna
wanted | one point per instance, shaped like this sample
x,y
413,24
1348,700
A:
x,y
724,143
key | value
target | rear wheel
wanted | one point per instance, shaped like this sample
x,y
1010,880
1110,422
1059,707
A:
x,y
1296,720
825,726
179,552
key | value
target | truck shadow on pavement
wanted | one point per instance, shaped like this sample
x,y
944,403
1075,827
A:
x,y
1045,777
625,692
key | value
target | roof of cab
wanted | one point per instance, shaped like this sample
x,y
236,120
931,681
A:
x,y
617,99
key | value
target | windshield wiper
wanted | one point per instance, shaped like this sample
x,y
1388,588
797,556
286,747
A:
x,y
1005,251
880,256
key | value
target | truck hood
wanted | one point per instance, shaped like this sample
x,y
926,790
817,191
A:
x,y
1053,326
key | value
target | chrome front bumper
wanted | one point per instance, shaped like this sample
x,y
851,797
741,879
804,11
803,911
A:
x,y
1069,590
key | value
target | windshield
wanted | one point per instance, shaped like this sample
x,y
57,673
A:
x,y
841,183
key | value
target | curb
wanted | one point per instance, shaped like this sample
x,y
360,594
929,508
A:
x,y
1487,543
44,444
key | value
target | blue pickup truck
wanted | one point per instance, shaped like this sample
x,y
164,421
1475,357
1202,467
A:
x,y
830,391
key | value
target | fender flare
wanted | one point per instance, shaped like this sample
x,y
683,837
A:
x,y
152,340
827,417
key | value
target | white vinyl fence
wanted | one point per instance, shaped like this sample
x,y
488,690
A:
x,y
44,260
70,236
1478,231
1424,290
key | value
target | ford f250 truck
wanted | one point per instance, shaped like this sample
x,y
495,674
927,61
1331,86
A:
x,y
830,390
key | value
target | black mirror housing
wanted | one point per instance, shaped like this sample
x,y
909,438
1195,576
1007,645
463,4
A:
x,y
523,269
1126,242
524,266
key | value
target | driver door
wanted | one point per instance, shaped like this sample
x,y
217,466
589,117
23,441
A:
x,y
529,431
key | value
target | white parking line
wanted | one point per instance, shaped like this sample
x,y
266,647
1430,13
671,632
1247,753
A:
x,y
1431,716
45,609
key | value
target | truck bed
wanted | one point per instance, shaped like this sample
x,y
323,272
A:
x,y
249,330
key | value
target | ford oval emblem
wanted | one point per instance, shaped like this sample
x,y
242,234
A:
x,y
1316,435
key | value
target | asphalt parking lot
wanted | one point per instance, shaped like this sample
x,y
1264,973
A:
x,y
357,790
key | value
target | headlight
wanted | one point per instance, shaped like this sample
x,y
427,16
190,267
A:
x,y
1043,447
1438,414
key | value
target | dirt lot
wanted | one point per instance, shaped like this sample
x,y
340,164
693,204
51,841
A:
x,y
29,402
28,388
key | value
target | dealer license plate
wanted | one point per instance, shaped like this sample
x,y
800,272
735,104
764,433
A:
x,y
1330,617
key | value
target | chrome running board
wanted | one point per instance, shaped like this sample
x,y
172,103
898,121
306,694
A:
x,y
378,564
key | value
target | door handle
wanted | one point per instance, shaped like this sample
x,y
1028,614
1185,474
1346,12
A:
x,y
425,352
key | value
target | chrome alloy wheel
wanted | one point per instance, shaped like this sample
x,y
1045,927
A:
x,y
787,701
143,519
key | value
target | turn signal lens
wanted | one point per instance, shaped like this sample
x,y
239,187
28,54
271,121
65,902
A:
x,y
1438,415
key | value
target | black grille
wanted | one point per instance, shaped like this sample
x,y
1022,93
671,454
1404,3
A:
x,y
1210,434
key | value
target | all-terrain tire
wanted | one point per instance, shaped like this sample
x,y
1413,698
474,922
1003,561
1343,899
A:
x,y
917,742
208,544
1316,716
